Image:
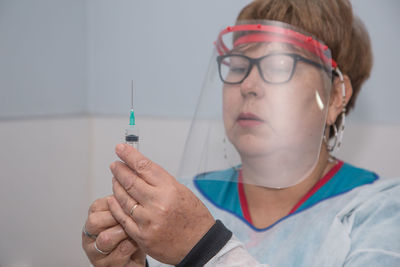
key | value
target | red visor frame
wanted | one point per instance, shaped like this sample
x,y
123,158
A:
x,y
269,33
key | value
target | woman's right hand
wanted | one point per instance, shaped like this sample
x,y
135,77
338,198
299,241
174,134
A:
x,y
110,238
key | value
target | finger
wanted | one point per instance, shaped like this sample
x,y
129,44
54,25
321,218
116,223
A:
x,y
109,239
126,254
133,184
151,172
86,243
88,247
129,225
99,221
98,205
122,253
114,240
130,206
138,258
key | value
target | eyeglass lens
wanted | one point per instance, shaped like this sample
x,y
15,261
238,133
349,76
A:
x,y
273,68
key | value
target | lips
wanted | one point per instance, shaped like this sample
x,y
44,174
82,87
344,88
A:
x,y
247,119
248,116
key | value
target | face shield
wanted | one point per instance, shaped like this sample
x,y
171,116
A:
x,y
261,114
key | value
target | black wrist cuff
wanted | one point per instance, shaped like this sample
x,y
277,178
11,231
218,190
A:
x,y
208,246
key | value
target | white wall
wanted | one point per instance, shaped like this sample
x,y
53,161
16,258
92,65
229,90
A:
x,y
44,191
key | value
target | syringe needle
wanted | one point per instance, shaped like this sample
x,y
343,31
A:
x,y
131,132
132,114
132,97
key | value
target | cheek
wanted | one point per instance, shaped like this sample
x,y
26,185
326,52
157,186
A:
x,y
312,107
316,100
300,107
230,101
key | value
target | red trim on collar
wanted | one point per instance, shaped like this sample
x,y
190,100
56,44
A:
x,y
243,200
318,185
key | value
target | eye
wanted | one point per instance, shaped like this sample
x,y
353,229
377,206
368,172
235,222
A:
x,y
277,68
278,63
238,69
238,65
233,68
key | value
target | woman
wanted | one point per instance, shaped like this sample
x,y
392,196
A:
x,y
289,70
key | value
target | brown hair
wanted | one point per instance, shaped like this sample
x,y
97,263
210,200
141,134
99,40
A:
x,y
331,21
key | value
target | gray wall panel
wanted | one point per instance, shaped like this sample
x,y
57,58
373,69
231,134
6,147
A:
x,y
42,57
68,57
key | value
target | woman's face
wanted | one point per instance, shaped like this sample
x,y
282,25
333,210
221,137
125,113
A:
x,y
262,118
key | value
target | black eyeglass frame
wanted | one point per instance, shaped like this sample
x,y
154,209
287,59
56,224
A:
x,y
256,61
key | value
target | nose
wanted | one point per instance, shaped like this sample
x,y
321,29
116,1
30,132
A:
x,y
253,85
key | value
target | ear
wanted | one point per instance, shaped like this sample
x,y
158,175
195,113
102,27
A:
x,y
336,100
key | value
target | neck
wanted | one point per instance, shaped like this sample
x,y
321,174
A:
x,y
267,205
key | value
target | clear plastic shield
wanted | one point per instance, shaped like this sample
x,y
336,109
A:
x,y
261,115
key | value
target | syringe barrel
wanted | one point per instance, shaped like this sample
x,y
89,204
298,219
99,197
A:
x,y
133,144
132,136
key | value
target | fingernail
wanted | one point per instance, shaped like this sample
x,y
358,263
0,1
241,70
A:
x,y
120,148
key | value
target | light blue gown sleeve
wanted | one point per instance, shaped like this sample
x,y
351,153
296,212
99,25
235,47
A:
x,y
375,230
367,231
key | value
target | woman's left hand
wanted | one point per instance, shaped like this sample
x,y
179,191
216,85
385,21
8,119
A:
x,y
164,217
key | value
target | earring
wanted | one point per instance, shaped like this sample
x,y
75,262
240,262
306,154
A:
x,y
341,128
331,147
343,114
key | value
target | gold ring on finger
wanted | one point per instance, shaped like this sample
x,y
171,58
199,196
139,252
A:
x,y
133,209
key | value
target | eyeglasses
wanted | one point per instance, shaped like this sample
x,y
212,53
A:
x,y
273,68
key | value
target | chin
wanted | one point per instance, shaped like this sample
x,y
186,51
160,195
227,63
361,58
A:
x,y
253,148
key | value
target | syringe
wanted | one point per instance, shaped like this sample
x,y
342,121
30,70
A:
x,y
132,132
